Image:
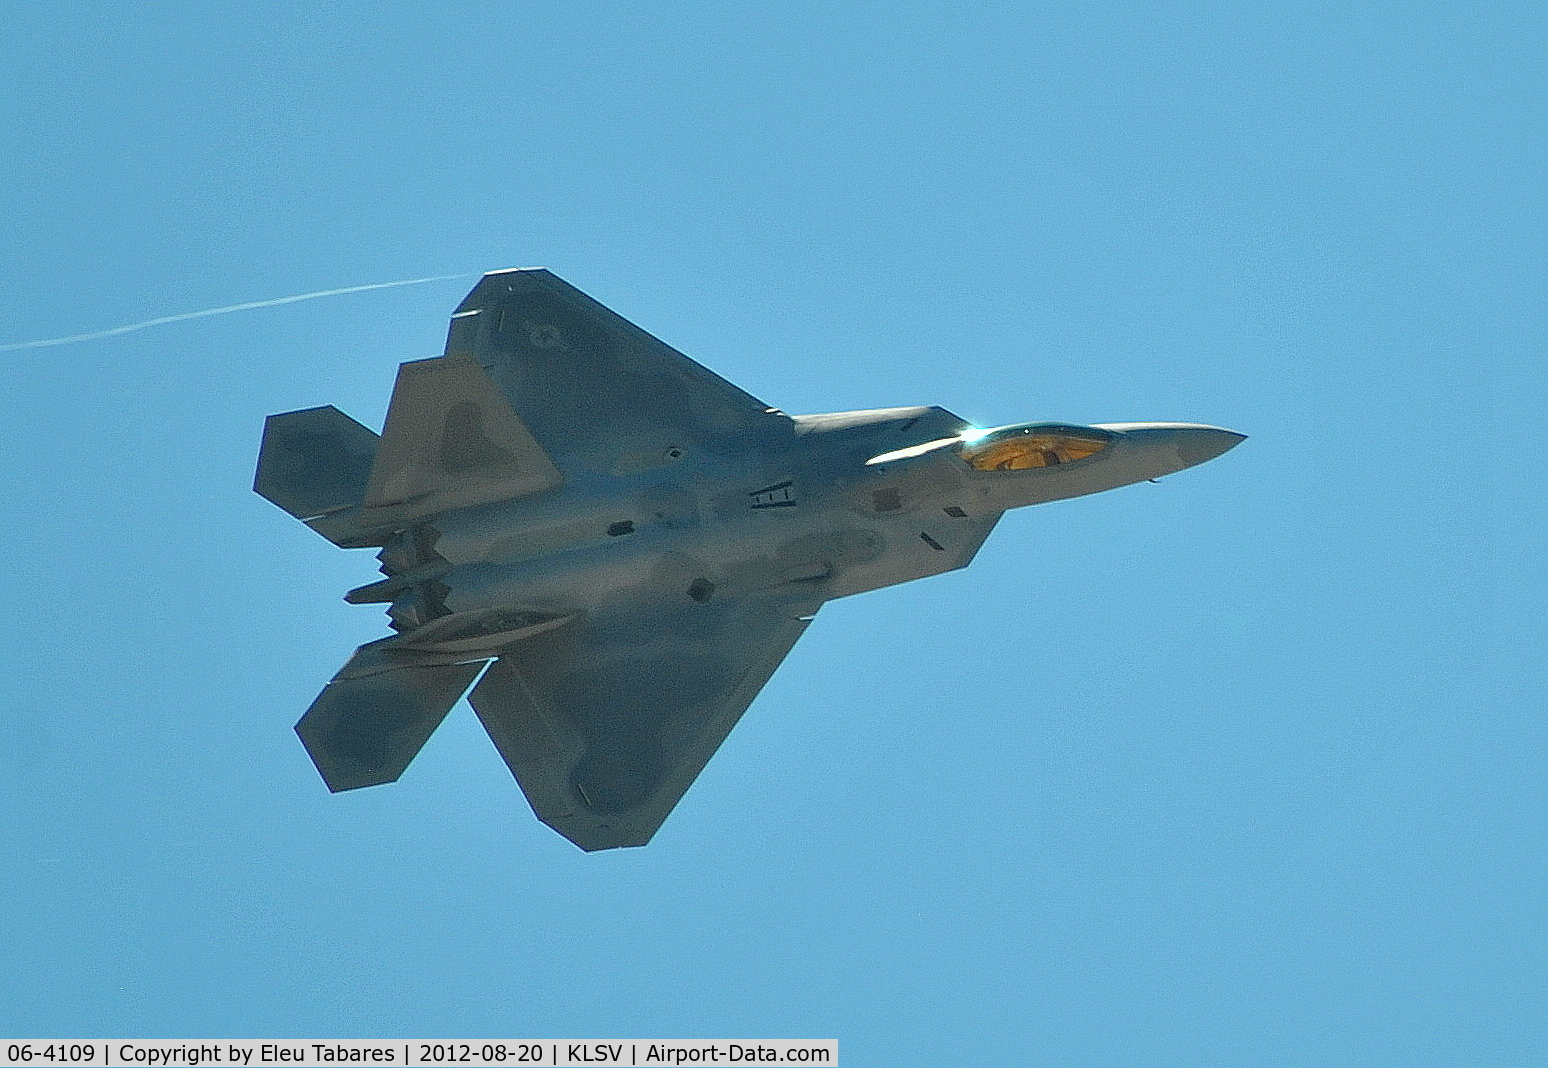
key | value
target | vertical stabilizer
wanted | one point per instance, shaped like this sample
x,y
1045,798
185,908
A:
x,y
451,441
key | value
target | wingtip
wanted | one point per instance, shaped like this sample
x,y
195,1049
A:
x,y
516,270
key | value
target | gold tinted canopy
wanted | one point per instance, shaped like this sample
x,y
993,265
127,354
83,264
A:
x,y
1019,448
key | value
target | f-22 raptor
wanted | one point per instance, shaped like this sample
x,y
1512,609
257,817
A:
x,y
626,545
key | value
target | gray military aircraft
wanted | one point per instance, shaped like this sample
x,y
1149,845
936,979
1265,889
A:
x,y
630,543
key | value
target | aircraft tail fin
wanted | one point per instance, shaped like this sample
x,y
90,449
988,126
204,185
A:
x,y
378,712
451,441
316,464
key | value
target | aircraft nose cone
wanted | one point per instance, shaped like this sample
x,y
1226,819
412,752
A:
x,y
1195,444
1176,446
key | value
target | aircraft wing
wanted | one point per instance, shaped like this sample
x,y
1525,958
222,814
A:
x,y
606,721
597,392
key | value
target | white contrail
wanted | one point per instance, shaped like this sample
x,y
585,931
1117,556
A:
x,y
45,343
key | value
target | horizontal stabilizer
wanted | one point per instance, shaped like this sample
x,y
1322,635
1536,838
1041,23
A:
x,y
451,441
315,464
369,722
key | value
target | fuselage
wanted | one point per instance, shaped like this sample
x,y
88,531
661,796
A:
x,y
846,502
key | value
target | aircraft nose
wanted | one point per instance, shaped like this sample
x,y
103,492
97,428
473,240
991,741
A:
x,y
1189,443
1197,443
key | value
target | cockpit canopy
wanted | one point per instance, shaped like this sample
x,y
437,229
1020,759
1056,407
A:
x,y
1029,445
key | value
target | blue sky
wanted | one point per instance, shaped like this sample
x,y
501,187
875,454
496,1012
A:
x,y
1241,768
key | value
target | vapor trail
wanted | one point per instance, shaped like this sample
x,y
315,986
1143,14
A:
x,y
250,305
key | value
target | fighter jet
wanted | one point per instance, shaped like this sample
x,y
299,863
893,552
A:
x,y
626,545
